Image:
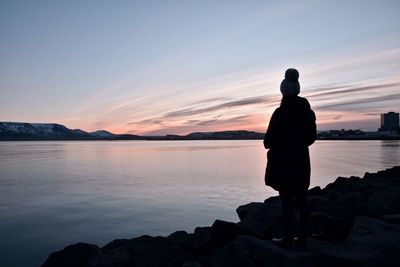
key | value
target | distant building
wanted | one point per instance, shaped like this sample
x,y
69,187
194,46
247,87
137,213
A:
x,y
389,122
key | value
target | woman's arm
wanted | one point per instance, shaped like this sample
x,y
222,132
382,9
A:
x,y
312,128
270,135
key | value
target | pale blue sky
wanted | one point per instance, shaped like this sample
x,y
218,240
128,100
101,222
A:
x,y
180,66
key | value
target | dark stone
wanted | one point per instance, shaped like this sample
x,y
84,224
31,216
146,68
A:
x,y
273,200
76,255
147,250
319,203
191,264
391,218
382,178
332,229
315,191
332,194
260,218
223,232
370,243
246,210
110,258
382,202
344,185
203,234
252,251
179,237
341,211
184,260
198,243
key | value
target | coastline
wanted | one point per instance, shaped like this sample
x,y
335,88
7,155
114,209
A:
x,y
209,139
355,221
20,131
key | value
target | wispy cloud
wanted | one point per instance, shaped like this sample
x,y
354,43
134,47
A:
x,y
217,116
338,117
225,121
231,104
333,93
354,104
209,100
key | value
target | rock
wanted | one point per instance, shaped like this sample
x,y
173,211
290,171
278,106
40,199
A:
x,y
223,232
76,255
179,237
184,260
245,211
332,229
342,211
331,194
144,251
252,251
371,243
383,178
202,234
382,202
345,185
260,218
315,191
191,264
110,258
198,243
319,203
376,238
273,200
391,218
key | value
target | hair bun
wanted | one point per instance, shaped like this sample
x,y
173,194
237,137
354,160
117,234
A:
x,y
292,75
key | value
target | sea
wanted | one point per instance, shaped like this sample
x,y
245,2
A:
x,y
56,193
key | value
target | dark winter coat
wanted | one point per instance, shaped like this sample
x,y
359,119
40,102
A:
x,y
291,130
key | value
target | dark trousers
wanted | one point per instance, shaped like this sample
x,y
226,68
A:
x,y
294,202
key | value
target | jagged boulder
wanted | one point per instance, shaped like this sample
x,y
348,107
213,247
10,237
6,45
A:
x,y
252,251
145,250
370,243
262,219
332,229
76,255
223,232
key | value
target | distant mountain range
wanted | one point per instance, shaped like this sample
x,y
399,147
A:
x,y
13,131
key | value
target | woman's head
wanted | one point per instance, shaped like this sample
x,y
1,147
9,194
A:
x,y
290,86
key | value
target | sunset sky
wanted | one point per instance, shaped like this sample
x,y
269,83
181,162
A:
x,y
175,67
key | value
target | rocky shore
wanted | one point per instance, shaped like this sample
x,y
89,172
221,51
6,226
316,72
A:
x,y
354,222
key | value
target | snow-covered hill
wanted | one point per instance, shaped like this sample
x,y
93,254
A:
x,y
53,131
20,130
102,134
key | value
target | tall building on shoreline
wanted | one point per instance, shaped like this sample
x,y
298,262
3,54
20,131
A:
x,y
389,122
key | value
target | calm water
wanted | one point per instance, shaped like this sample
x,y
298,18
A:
x,y
56,193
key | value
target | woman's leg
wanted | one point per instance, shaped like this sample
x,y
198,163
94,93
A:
x,y
304,212
287,199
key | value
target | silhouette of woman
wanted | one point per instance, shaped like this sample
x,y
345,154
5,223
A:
x,y
291,131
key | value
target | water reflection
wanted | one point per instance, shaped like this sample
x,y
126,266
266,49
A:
x,y
56,193
390,152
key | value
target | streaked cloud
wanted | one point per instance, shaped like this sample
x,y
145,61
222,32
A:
x,y
355,104
231,104
332,93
